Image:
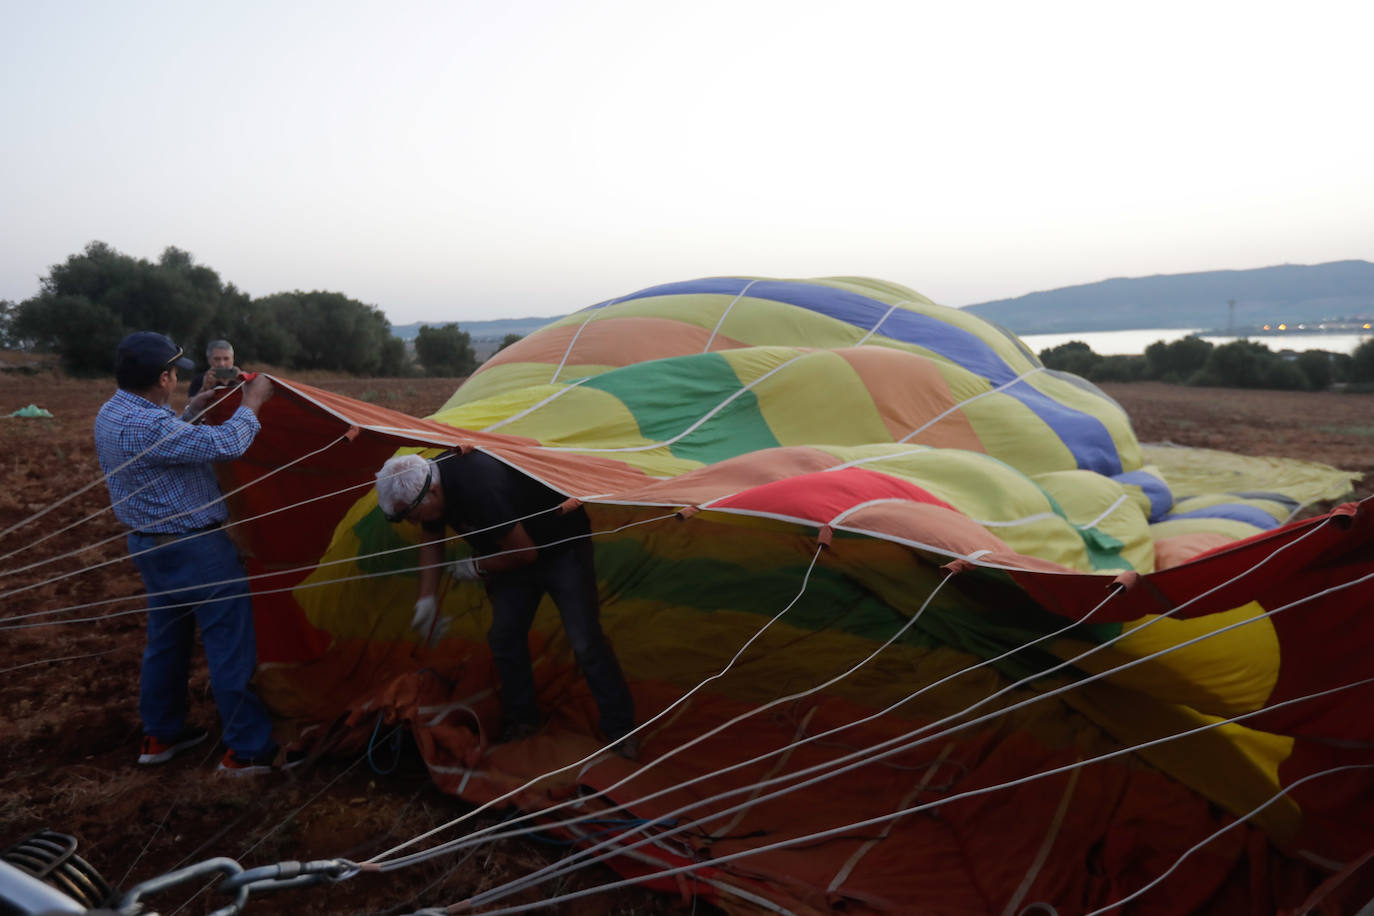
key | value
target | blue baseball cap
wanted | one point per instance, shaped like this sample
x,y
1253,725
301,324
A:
x,y
150,350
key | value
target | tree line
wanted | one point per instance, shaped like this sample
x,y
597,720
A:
x,y
1238,364
87,304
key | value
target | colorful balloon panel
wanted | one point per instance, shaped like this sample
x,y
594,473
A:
x,y
931,516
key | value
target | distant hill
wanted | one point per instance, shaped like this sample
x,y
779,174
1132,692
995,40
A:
x,y
1292,293
480,330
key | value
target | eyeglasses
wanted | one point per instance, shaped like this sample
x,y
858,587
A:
x,y
395,517
175,356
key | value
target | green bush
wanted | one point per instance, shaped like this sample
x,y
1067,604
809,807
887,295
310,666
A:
x,y
445,351
1239,364
1340,367
332,331
1120,369
1284,375
1318,367
86,304
1074,356
1177,360
91,300
1362,363
7,336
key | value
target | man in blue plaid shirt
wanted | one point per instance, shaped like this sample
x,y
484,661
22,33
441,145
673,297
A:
x,y
162,485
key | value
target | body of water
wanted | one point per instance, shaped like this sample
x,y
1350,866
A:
x,y
1133,343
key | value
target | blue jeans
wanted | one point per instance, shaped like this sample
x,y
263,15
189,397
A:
x,y
568,574
186,569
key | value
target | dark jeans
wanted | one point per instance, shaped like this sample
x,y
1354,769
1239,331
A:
x,y
225,616
568,574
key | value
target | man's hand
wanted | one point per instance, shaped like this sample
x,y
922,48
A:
x,y
257,392
465,568
424,624
221,376
425,609
198,404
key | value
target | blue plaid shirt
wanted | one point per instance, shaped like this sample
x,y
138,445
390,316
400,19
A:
x,y
170,487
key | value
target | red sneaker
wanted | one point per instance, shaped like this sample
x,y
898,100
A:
x,y
234,764
156,750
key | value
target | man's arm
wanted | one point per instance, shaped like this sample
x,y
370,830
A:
x,y
199,403
517,550
427,604
196,444
431,556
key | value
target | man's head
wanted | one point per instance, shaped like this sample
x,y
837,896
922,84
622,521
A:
x,y
146,359
408,489
220,353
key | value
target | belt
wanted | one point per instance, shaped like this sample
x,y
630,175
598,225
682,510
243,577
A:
x,y
160,539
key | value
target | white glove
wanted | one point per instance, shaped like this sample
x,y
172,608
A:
x,y
465,568
425,610
425,625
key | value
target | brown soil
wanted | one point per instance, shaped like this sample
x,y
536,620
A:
x,y
1327,427
70,733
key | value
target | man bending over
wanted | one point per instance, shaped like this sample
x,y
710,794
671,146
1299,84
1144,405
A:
x,y
523,547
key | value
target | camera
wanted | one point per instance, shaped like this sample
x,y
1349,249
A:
x,y
225,372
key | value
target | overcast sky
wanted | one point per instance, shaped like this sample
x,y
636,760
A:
x,y
474,160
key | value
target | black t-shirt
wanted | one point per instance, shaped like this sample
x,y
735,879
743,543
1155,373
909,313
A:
x,y
481,492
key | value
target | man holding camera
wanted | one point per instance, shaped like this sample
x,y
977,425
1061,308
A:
x,y
222,370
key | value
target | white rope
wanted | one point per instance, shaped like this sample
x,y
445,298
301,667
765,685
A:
x,y
329,784
61,658
717,860
534,878
639,728
243,521
721,320
714,331
1115,589
595,313
873,330
845,870
176,431
1046,844
866,756
940,416
986,523
209,752
1042,637
301,586
786,748
1283,791
96,514
1105,513
740,392
782,761
190,537
808,573
533,407
167,518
